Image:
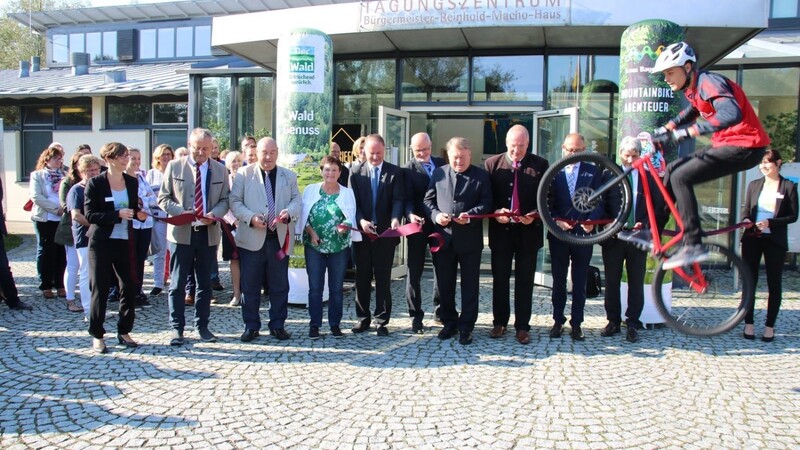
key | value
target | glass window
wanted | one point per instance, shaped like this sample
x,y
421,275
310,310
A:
x,y
254,106
184,40
215,105
76,42
33,144
122,114
508,78
782,9
38,115
202,41
435,79
173,138
94,46
10,116
773,92
147,44
166,42
109,46
170,113
75,116
362,86
60,48
568,76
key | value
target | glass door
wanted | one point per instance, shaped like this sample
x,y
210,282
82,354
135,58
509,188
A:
x,y
393,127
549,130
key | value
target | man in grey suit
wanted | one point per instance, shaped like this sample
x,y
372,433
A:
x,y
266,200
457,191
194,185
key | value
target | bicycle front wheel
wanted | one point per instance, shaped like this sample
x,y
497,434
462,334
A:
x,y
717,308
613,205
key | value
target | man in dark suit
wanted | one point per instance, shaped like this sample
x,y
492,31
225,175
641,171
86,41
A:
x,y
515,178
344,174
456,191
418,174
561,253
192,245
380,196
629,248
7,284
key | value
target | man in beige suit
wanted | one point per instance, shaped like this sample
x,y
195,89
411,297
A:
x,y
194,185
266,200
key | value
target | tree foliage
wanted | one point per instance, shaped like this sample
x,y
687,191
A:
x,y
782,131
18,42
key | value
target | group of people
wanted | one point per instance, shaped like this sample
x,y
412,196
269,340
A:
x,y
118,214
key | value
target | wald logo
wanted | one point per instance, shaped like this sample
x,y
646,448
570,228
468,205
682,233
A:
x,y
301,59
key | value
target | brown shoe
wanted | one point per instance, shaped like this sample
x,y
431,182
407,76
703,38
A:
x,y
523,337
74,307
62,293
48,294
189,300
497,331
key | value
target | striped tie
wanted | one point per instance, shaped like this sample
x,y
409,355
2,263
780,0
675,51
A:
x,y
198,192
270,202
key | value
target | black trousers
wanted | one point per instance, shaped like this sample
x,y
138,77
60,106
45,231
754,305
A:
x,y
774,256
447,263
143,237
374,259
704,165
417,250
51,258
504,252
7,284
615,254
111,260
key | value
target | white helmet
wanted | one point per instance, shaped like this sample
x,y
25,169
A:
x,y
676,55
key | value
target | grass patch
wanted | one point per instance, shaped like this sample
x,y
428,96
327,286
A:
x,y
12,241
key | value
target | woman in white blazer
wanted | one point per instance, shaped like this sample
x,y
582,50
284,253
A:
x,y
51,258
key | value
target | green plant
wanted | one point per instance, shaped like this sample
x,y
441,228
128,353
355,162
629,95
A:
x,y
782,131
297,260
12,241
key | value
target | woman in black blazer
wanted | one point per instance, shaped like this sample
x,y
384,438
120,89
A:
x,y
112,201
769,207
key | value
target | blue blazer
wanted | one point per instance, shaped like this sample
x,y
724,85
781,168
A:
x,y
560,202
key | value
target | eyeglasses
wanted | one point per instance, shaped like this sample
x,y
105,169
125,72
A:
x,y
573,150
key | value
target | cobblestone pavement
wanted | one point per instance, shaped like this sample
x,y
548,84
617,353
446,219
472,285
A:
x,y
402,391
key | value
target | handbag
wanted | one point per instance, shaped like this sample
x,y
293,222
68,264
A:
x,y
28,206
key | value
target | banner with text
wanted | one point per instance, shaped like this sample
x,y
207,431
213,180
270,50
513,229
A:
x,y
645,101
384,15
304,104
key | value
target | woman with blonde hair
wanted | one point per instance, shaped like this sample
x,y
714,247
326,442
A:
x,y
162,155
233,161
45,181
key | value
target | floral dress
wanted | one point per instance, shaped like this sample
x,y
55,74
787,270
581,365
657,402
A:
x,y
324,218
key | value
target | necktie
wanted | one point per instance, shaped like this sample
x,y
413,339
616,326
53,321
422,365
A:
x,y
198,192
632,215
428,168
270,202
375,179
572,178
515,190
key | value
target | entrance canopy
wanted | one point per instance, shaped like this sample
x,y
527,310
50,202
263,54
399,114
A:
x,y
387,26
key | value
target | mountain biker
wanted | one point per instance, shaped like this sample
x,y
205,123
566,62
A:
x,y
738,141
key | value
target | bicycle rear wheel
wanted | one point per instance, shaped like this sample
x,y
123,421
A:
x,y
715,310
614,204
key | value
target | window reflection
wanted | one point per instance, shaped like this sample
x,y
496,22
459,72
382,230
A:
x,y
170,113
109,46
202,41
76,43
185,44
362,86
166,42
215,105
60,48
773,93
94,46
75,115
435,79
254,106
147,44
508,78
122,114
568,75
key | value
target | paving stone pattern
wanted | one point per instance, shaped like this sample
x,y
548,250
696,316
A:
x,y
400,391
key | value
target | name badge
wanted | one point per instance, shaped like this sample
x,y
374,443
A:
x,y
109,199
778,195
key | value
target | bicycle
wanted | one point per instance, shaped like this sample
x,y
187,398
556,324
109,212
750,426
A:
x,y
708,298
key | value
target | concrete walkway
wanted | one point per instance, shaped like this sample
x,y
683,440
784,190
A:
x,y
402,391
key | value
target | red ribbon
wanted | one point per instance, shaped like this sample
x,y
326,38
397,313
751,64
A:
x,y
186,219
404,230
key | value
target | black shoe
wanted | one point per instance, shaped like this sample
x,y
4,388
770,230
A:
x,y
361,327
313,333
156,291
749,337
20,306
610,329
556,330
447,333
280,333
632,335
125,342
177,338
465,338
576,333
767,339
416,325
216,286
206,335
141,302
336,332
382,331
249,335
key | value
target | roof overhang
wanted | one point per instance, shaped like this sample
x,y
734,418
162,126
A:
x,y
713,28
